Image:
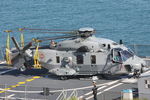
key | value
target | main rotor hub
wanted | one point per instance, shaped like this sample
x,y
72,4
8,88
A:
x,y
86,31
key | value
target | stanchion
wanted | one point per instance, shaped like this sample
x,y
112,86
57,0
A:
x,y
21,37
36,58
8,60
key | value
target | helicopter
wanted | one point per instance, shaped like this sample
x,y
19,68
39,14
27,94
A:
x,y
80,53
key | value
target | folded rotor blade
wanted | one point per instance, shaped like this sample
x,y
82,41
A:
x,y
56,38
53,32
27,46
34,29
16,43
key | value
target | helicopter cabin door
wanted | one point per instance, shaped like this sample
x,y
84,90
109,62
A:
x,y
116,63
93,63
83,67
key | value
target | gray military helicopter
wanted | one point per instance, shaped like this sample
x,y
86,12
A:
x,y
78,54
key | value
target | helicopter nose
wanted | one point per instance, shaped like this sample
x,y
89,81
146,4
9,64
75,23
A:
x,y
137,66
144,68
141,66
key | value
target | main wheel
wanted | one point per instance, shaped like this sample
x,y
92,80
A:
x,y
22,68
63,77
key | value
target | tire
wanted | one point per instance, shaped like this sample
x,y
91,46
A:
x,y
63,77
22,68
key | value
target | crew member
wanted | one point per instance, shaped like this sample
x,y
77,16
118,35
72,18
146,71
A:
x,y
52,44
94,89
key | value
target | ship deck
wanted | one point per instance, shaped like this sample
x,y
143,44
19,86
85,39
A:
x,y
20,85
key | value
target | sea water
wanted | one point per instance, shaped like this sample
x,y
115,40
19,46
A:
x,y
128,20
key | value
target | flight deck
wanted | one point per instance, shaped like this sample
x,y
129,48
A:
x,y
30,85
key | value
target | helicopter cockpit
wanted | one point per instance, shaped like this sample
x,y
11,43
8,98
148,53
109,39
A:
x,y
119,55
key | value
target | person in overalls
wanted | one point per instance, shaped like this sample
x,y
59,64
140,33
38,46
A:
x,y
94,89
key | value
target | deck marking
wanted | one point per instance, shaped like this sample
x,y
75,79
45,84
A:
x,y
13,86
111,87
10,96
104,90
54,91
6,89
97,89
109,83
81,88
36,77
2,91
6,71
19,83
16,98
29,80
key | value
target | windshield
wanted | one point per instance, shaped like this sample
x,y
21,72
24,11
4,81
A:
x,y
126,55
130,51
120,55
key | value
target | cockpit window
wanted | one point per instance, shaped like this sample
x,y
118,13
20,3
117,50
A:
x,y
120,55
126,54
130,51
117,56
114,43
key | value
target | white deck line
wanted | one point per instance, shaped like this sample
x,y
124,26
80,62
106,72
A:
x,y
81,88
104,91
6,71
10,96
16,98
110,83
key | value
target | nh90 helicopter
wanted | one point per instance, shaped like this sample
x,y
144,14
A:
x,y
78,54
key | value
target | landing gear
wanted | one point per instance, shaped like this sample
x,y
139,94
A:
x,y
106,76
63,77
136,73
22,68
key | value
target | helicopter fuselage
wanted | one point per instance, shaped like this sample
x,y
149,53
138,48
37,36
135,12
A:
x,y
80,55
88,57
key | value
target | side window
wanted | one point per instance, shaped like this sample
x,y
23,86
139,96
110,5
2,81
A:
x,y
79,59
57,59
93,59
117,56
